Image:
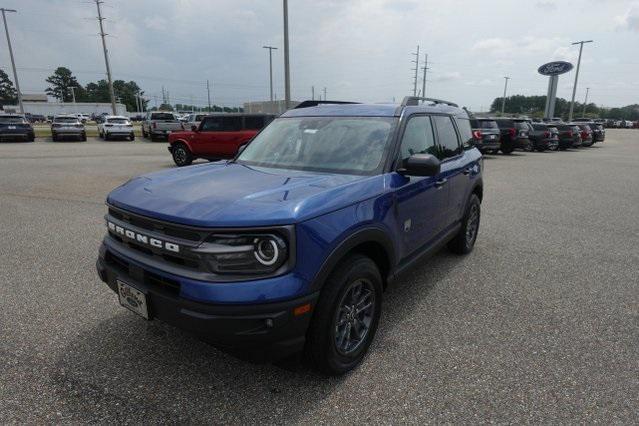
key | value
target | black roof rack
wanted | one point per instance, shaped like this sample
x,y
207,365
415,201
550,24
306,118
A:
x,y
414,100
308,104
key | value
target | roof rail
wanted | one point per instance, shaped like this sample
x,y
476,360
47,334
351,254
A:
x,y
308,104
414,100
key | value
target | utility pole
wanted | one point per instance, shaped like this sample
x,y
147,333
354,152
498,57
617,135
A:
x,y
583,114
106,56
325,93
416,62
137,102
312,93
13,62
574,88
75,109
503,100
287,71
270,66
208,94
425,69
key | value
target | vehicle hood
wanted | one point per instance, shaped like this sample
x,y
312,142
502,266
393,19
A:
x,y
230,194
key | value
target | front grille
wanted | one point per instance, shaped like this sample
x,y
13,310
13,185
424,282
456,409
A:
x,y
157,226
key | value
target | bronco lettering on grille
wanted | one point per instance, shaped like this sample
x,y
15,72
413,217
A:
x,y
143,239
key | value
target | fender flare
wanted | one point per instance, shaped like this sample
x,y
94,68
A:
x,y
184,141
361,236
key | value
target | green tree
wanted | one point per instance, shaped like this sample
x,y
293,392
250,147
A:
x,y
8,93
61,82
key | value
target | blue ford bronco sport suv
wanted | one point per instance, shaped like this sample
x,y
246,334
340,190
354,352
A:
x,y
289,246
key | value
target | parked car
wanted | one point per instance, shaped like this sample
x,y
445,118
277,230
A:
x,y
160,124
542,138
193,120
586,134
219,136
14,127
83,118
116,126
554,135
569,136
514,134
597,127
291,245
67,126
486,135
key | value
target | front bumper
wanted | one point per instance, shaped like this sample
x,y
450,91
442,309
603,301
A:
x,y
271,327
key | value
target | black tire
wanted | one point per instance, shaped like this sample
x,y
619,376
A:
x,y
31,138
540,149
105,136
563,148
329,349
132,136
182,155
144,135
464,241
54,138
83,138
507,150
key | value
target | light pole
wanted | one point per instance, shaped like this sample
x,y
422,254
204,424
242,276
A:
x,y
574,88
583,113
287,72
503,100
270,66
13,62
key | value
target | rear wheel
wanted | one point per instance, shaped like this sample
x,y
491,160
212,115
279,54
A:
x,y
181,155
464,241
132,136
507,149
346,316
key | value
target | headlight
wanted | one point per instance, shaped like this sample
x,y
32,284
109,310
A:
x,y
244,253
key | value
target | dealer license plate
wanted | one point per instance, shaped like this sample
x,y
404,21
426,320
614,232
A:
x,y
133,299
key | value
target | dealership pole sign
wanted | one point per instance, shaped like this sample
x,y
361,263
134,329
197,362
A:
x,y
553,70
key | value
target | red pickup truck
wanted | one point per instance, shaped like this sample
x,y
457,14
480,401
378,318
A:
x,y
218,136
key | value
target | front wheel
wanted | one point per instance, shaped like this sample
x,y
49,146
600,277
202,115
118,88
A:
x,y
181,155
346,316
132,136
464,241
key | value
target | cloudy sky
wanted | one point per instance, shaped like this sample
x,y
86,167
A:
x,y
357,49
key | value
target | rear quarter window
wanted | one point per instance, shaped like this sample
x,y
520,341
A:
x,y
465,131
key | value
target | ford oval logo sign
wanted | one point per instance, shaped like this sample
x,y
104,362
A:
x,y
555,68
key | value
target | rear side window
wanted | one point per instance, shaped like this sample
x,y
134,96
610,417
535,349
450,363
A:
x,y
162,116
200,117
418,138
212,124
231,124
474,124
447,137
463,124
539,126
253,122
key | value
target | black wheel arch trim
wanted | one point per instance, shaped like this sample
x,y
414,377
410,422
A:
x,y
362,236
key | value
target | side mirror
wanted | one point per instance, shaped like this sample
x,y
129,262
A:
x,y
420,165
193,128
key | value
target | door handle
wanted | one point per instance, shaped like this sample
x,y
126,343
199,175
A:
x,y
467,170
441,182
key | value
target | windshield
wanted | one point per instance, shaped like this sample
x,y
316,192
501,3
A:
x,y
353,145
65,120
117,120
11,119
487,124
162,116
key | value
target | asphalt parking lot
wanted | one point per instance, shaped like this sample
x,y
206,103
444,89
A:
x,y
539,324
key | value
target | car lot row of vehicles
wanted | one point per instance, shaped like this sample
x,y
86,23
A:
x,y
492,135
